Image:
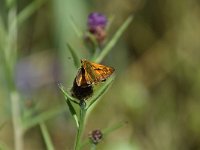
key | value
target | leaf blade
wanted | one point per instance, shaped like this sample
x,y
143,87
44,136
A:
x,y
28,123
76,29
29,10
100,92
74,56
68,99
114,40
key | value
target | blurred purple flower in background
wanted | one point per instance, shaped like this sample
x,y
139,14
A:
x,y
96,20
97,23
36,71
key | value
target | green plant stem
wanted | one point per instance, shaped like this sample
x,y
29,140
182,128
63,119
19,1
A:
x,y
46,136
80,129
10,54
16,119
93,147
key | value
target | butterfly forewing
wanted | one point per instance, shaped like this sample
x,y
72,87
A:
x,y
95,73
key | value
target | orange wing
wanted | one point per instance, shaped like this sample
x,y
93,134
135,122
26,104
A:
x,y
95,73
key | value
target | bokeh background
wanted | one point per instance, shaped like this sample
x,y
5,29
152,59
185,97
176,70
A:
x,y
156,90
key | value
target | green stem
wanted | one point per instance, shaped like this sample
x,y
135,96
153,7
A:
x,y
29,10
93,147
80,129
96,52
16,119
46,136
10,54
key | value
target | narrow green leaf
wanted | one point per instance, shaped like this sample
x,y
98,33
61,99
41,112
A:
x,y
67,95
100,92
92,45
28,123
74,56
46,136
73,112
76,29
110,21
27,113
93,146
68,99
113,128
29,10
97,50
114,40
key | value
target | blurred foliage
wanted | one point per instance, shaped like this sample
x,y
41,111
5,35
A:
x,y
157,66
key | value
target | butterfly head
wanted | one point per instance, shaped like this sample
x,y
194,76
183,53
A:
x,y
83,61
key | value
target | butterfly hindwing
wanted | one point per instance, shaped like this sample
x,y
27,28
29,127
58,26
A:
x,y
80,78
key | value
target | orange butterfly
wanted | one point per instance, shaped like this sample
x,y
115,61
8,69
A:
x,y
92,73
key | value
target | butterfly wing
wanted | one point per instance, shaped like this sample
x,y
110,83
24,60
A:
x,y
102,72
80,77
95,73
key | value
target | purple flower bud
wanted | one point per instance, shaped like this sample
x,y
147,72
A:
x,y
95,136
96,20
97,27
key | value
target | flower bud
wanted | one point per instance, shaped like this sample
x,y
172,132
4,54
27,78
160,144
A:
x,y
96,136
97,27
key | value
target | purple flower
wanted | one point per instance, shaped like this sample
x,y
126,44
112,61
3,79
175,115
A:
x,y
96,20
96,136
97,27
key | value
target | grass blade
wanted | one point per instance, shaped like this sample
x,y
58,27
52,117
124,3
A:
x,y
74,56
76,29
73,112
29,10
114,40
110,21
68,99
66,94
113,128
46,136
42,117
100,92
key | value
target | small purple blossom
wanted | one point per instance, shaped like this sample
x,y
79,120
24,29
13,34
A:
x,y
97,26
95,20
96,136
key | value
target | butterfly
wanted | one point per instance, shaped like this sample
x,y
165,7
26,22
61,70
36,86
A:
x,y
92,73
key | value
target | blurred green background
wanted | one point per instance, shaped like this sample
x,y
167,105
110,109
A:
x,y
157,61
